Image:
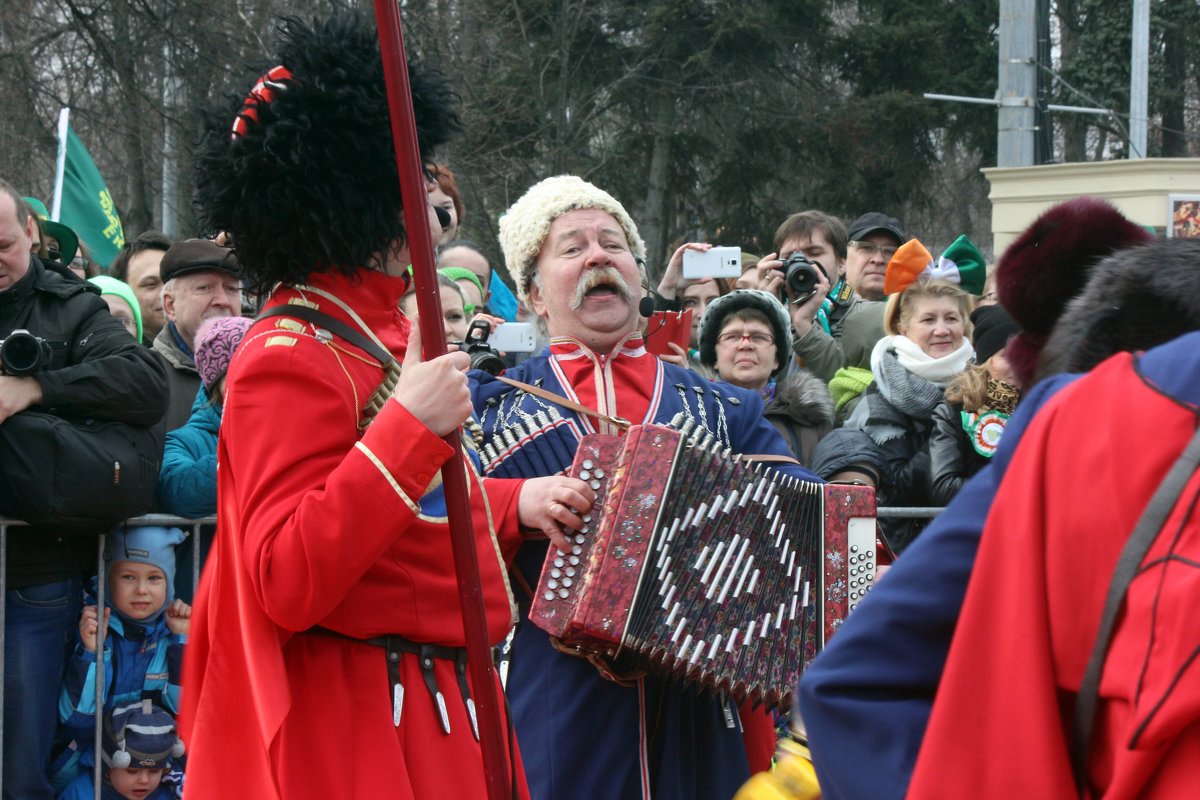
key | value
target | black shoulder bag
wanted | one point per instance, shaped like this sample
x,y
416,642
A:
x,y
67,473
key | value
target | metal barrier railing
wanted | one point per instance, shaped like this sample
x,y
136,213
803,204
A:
x,y
197,531
164,520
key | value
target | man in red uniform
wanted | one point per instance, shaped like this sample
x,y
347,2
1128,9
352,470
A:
x,y
1076,487
327,656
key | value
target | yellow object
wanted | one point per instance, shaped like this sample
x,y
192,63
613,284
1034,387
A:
x,y
792,778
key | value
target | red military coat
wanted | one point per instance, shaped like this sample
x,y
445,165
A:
x,y
318,525
1086,468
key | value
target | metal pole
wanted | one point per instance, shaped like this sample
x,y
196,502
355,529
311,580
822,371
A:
x,y
1018,83
433,340
3,642
101,631
1139,79
172,91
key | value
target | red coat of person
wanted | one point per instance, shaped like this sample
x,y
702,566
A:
x,y
321,525
1077,485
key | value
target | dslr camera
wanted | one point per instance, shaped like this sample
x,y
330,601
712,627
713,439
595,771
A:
x,y
22,354
800,275
483,355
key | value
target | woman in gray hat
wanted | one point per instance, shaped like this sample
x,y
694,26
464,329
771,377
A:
x,y
746,338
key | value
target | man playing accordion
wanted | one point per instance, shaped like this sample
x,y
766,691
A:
x,y
577,260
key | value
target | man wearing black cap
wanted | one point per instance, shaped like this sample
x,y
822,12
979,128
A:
x,y
874,237
200,280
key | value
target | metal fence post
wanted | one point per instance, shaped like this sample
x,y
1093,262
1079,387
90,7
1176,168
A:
x,y
3,623
101,635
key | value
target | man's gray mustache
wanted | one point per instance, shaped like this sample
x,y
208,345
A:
x,y
602,276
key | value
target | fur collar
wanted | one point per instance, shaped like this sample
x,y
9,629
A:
x,y
801,395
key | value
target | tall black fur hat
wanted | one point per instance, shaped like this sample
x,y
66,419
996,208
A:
x,y
1134,300
305,180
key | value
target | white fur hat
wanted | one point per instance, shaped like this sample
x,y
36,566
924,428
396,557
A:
x,y
523,227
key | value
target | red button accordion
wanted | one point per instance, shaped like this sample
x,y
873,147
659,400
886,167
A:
x,y
709,568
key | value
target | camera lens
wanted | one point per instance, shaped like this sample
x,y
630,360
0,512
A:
x,y
800,275
21,354
488,360
483,356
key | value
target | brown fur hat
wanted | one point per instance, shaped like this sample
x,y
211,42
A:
x,y
1049,264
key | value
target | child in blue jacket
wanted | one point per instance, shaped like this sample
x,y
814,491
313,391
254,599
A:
x,y
143,649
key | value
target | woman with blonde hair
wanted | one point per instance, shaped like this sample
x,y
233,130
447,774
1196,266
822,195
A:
x,y
927,345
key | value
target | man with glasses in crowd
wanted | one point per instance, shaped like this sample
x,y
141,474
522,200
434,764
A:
x,y
874,238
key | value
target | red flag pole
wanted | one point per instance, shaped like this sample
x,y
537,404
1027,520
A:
x,y
433,338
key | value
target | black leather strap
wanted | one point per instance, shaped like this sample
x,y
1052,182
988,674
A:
x,y
1136,546
333,325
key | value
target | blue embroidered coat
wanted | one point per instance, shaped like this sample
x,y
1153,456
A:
x,y
582,736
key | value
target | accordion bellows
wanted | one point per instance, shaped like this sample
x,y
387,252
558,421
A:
x,y
704,567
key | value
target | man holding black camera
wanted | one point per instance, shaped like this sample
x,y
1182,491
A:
x,y
88,367
834,311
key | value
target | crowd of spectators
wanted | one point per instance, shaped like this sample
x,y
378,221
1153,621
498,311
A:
x,y
895,379
893,368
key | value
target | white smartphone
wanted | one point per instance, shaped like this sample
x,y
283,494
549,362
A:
x,y
514,337
716,262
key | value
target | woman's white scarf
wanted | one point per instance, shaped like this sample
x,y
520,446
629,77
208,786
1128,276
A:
x,y
910,355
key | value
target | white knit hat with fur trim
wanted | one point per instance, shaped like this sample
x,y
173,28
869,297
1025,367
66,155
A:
x,y
523,227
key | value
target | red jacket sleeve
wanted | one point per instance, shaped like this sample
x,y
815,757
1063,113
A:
x,y
319,509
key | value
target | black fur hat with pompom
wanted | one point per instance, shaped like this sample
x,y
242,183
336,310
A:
x,y
301,172
1049,264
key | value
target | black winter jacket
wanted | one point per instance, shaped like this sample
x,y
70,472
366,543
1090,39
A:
x,y
96,371
952,459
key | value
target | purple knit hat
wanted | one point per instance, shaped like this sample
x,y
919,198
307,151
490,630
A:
x,y
216,340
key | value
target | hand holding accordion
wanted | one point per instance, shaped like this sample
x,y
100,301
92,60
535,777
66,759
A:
x,y
712,569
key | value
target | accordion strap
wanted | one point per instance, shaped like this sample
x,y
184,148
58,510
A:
x,y
605,667
537,391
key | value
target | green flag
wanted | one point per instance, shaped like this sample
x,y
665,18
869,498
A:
x,y
82,201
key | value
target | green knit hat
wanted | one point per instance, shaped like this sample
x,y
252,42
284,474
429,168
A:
x,y
463,274
110,285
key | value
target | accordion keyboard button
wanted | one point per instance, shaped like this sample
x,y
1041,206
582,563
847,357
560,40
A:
x,y
564,594
573,561
580,538
587,463
570,572
558,562
567,582
556,573
549,595
576,550
552,584
585,475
